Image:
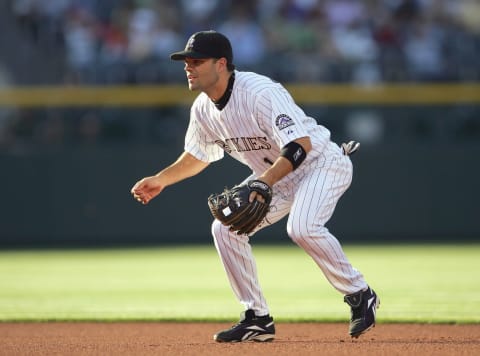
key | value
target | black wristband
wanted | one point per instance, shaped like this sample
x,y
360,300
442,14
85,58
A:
x,y
295,153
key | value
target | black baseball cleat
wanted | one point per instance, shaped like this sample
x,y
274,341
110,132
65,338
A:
x,y
250,328
363,306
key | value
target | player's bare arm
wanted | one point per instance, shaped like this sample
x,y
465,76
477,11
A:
x,y
281,167
184,167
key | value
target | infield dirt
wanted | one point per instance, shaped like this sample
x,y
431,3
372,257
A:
x,y
196,339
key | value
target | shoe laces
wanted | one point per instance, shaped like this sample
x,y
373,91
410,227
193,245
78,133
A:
x,y
356,303
357,313
245,317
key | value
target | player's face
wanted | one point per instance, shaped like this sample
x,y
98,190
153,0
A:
x,y
201,74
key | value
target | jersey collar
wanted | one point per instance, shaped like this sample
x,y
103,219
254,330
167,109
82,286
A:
x,y
222,102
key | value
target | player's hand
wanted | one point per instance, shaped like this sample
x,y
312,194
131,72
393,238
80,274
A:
x,y
255,195
146,189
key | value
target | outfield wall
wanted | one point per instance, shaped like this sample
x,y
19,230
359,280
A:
x,y
82,196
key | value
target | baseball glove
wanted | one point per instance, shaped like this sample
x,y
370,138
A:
x,y
232,207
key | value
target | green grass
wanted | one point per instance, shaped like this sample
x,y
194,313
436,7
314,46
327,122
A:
x,y
419,283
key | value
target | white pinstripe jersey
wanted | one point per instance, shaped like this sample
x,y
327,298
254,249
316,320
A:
x,y
258,120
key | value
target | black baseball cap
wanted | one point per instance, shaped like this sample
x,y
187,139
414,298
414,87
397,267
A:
x,y
206,44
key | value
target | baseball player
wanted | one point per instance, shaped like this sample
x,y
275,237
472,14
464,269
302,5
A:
x,y
256,121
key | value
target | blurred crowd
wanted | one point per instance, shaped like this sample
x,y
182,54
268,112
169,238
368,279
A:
x,y
363,41
129,42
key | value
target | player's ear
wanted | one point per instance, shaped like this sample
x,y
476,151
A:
x,y
222,64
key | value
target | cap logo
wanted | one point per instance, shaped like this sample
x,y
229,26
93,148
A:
x,y
190,42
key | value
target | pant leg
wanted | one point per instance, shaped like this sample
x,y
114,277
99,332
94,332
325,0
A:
x,y
238,261
314,204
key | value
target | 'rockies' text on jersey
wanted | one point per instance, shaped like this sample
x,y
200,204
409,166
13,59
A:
x,y
258,120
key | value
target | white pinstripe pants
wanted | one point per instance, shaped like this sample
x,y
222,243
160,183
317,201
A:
x,y
310,204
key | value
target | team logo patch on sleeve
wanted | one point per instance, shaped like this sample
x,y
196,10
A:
x,y
282,121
